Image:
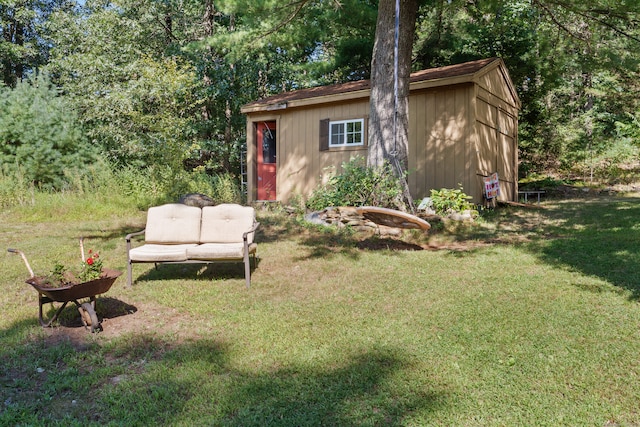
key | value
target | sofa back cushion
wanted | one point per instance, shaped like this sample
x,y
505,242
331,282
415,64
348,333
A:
x,y
226,223
173,223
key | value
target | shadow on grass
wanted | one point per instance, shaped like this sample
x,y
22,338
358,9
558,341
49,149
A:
x,y
275,226
597,237
354,393
155,382
106,308
196,271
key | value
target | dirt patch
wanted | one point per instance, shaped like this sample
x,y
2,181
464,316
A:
x,y
117,318
387,244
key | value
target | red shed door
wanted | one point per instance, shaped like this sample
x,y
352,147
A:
x,y
266,140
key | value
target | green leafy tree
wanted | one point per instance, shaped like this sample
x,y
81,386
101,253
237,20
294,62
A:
x,y
136,103
22,45
573,65
40,135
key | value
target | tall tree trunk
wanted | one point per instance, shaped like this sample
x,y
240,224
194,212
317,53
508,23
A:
x,y
228,113
12,66
388,117
208,25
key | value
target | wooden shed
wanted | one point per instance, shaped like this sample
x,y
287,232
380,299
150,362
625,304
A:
x,y
463,127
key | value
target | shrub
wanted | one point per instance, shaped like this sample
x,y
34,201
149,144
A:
x,y
446,201
140,185
222,188
226,189
359,185
41,135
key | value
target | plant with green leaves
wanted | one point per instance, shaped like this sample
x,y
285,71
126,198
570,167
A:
x,y
40,135
139,105
359,185
61,275
447,201
15,189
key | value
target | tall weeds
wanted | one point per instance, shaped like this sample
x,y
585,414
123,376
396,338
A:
x,y
100,189
15,190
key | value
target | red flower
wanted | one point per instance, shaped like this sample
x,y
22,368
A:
x,y
89,261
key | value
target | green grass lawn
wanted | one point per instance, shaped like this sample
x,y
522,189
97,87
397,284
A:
x,y
529,317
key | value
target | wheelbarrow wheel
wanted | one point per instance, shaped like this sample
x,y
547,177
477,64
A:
x,y
89,317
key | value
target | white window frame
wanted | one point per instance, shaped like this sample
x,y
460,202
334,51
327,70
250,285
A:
x,y
342,142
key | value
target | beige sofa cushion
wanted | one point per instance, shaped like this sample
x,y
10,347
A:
x,y
173,223
218,251
160,253
226,223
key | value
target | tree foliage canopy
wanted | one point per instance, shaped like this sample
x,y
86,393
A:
x,y
41,138
163,82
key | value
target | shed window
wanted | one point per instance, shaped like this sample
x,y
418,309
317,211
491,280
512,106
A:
x,y
346,133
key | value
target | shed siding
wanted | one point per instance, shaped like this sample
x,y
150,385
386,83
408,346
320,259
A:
x,y
500,128
301,164
459,132
441,142
494,82
497,142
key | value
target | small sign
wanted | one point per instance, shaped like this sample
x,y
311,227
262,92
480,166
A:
x,y
424,204
491,186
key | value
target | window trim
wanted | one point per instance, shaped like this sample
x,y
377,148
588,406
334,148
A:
x,y
343,144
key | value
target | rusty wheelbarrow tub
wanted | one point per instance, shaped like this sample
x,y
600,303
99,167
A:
x,y
83,295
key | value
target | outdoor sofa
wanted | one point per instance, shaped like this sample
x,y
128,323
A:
x,y
177,233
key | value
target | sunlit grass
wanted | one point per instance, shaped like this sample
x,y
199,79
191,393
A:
x,y
529,317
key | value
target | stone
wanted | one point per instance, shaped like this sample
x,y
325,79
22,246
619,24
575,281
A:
x,y
196,199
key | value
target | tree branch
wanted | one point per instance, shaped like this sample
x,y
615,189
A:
x,y
298,7
590,15
560,25
611,26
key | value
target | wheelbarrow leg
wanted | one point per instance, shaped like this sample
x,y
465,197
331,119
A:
x,y
87,313
42,300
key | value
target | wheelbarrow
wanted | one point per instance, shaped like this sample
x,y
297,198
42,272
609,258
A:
x,y
83,295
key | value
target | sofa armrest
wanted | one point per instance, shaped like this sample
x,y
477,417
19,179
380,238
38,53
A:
x,y
245,250
253,229
129,236
128,239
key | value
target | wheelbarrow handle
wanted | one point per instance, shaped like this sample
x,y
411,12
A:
x,y
82,249
24,258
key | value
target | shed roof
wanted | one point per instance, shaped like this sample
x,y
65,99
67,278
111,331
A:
x,y
432,77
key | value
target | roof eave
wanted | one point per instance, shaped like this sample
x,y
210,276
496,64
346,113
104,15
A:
x,y
445,81
305,102
471,77
347,96
501,66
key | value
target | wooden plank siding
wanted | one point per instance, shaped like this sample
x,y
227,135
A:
x,y
497,126
301,164
440,139
463,124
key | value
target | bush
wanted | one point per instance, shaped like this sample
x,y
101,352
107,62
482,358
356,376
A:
x,y
359,185
226,189
222,188
446,201
40,136
140,185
